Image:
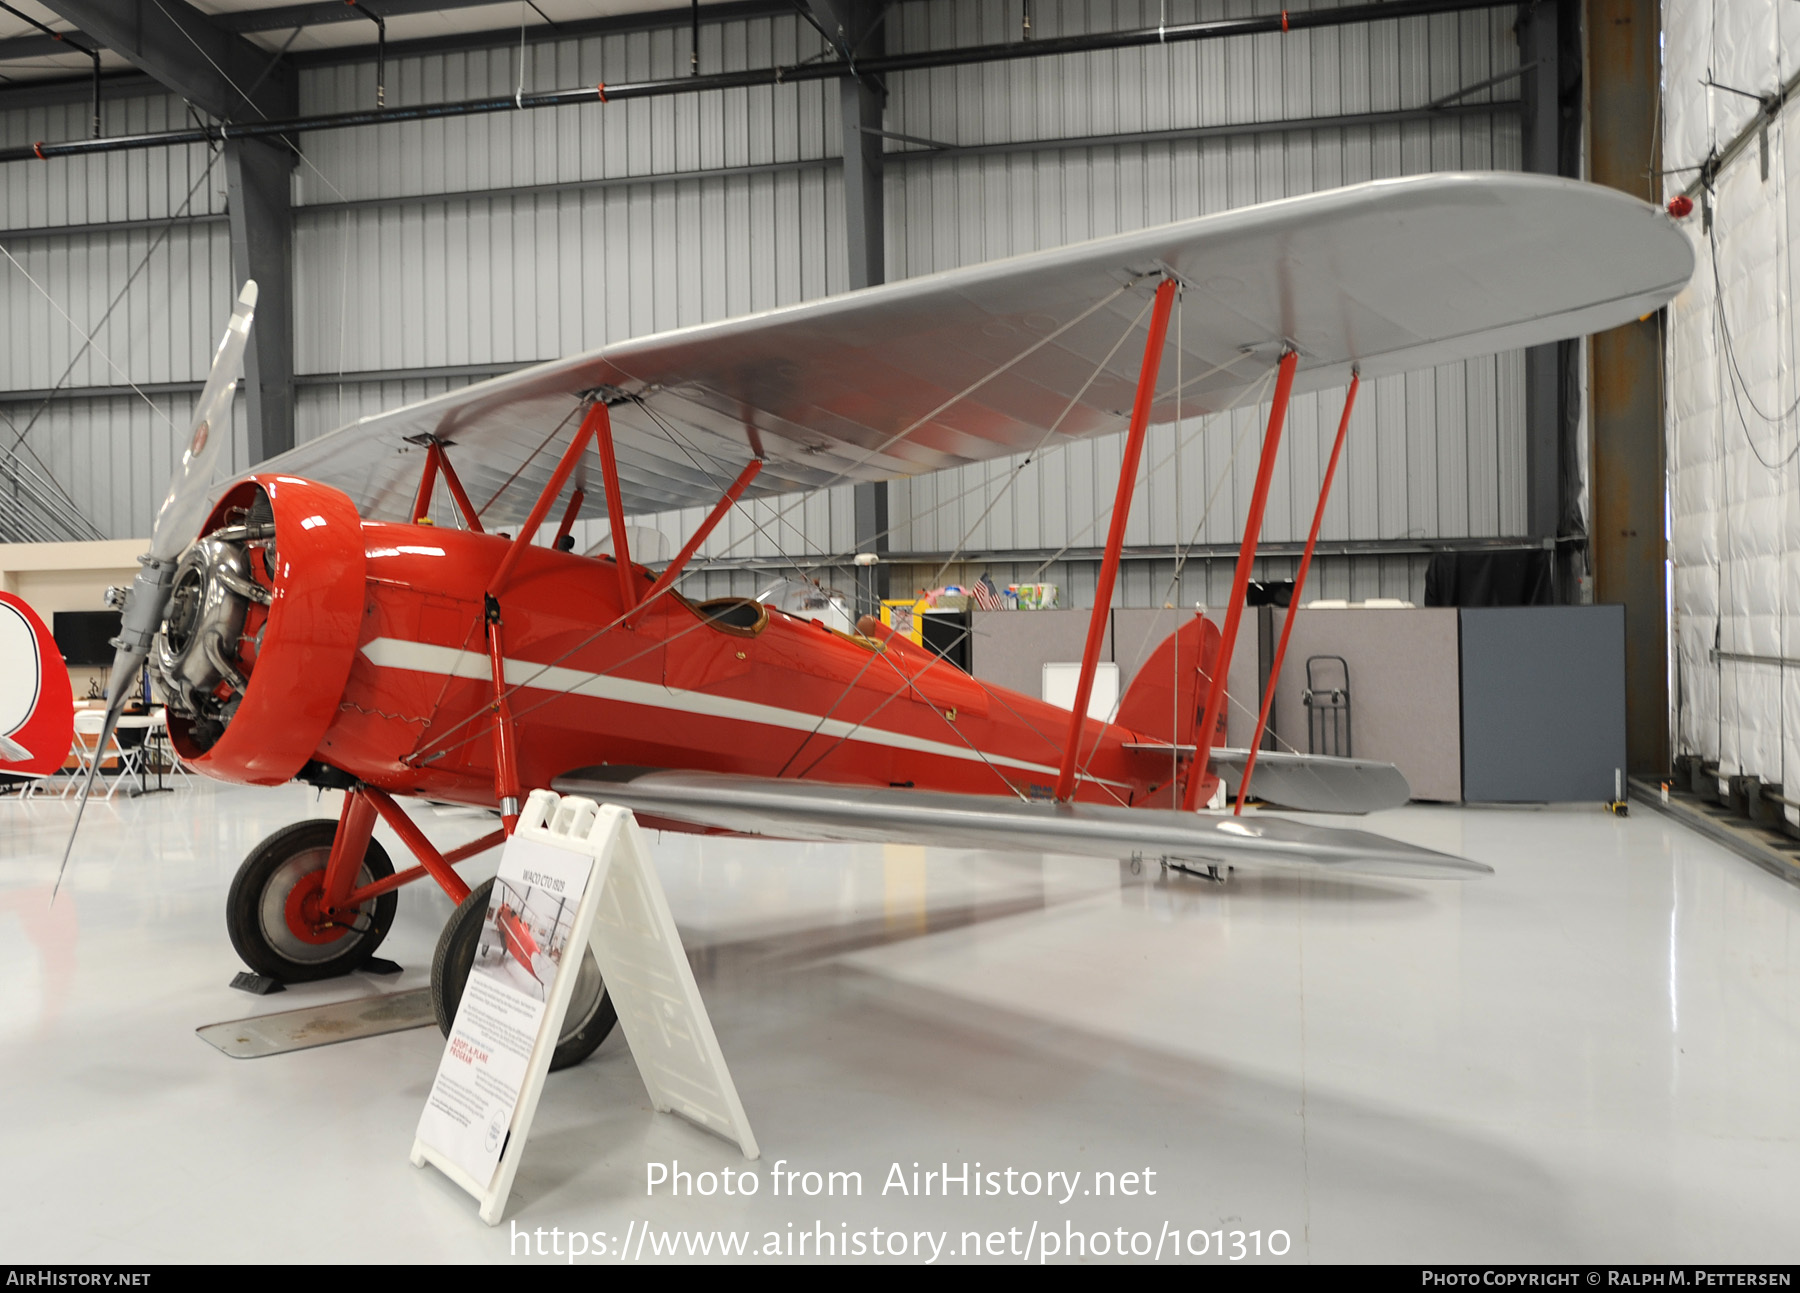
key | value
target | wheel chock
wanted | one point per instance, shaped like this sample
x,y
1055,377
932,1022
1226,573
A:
x,y
260,985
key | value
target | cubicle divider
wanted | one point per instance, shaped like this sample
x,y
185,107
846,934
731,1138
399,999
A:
x,y
1508,705
1405,706
1543,703
1011,648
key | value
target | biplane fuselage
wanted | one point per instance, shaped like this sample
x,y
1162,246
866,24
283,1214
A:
x,y
403,699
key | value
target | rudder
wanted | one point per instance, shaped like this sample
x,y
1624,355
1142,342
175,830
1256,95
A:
x,y
1165,697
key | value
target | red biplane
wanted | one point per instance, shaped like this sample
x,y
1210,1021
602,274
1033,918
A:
x,y
346,614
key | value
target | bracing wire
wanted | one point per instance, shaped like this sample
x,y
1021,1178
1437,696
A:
x,y
89,342
906,432
1036,449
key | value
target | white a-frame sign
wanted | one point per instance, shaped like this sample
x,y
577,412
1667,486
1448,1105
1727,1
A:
x,y
575,874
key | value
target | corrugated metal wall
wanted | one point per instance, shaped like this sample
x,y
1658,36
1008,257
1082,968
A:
x,y
1433,454
401,266
127,297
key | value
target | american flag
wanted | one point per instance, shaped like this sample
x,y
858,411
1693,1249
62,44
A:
x,y
986,595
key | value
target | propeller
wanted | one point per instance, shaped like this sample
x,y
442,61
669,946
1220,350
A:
x,y
177,523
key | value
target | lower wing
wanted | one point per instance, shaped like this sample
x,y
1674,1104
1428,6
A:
x,y
812,810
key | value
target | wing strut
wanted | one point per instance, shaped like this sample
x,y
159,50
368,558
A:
x,y
570,512
724,505
596,418
1240,581
1287,625
1115,536
421,512
601,421
436,462
506,754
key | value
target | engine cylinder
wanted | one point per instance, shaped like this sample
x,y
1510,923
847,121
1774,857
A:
x,y
262,628
196,656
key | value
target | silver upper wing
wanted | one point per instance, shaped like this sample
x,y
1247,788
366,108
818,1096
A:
x,y
981,362
810,810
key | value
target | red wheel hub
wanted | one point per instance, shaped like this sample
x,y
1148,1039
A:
x,y
305,918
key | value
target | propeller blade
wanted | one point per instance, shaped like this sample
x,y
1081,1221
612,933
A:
x,y
177,524
113,705
186,504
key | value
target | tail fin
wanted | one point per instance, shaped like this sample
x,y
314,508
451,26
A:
x,y
1162,704
1164,698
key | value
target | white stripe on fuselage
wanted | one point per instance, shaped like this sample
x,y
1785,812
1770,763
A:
x,y
422,657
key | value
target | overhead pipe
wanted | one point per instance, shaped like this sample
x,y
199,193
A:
x,y
1038,46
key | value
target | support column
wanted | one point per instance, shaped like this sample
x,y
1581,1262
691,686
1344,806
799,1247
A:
x,y
1625,383
262,248
1539,119
865,229
865,242
872,582
853,27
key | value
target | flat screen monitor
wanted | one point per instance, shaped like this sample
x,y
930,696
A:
x,y
85,637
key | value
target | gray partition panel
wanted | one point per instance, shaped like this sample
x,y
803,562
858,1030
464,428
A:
x,y
1136,633
1011,648
1404,701
1543,702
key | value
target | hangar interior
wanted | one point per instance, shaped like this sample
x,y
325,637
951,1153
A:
x,y
1551,585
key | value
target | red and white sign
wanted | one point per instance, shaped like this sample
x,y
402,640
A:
x,y
37,712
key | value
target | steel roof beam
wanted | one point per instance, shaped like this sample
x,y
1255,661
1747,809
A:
x,y
320,13
218,72
853,29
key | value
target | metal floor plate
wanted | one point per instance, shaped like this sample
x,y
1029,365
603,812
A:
x,y
340,1021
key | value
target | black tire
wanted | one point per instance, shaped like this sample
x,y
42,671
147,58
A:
x,y
255,911
591,1016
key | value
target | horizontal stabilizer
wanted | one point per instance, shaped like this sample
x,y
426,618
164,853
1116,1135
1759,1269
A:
x,y
812,810
1316,783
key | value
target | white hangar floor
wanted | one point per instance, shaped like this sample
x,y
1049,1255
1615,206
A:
x,y
1588,1056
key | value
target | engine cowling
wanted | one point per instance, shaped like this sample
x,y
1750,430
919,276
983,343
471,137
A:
x,y
262,628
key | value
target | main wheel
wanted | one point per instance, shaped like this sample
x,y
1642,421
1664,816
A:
x,y
590,1018
272,911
